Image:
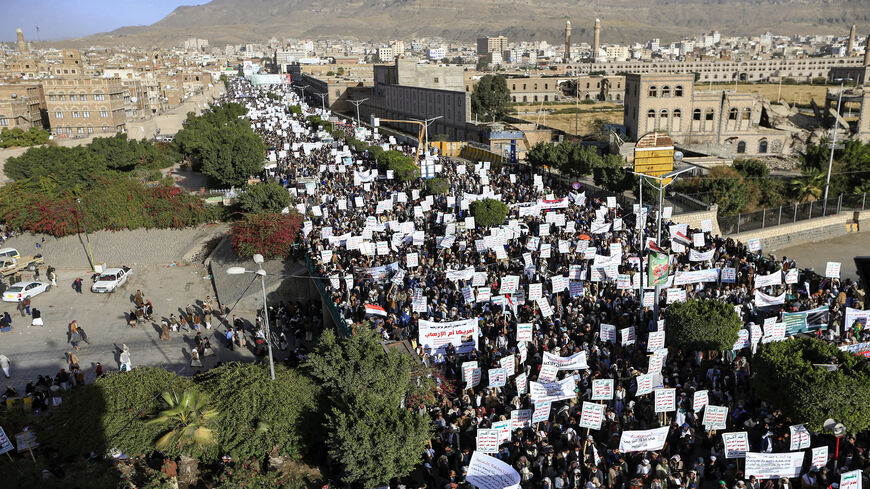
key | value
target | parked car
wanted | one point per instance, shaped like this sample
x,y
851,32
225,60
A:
x,y
111,279
23,290
9,253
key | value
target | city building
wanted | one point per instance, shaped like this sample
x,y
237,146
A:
x,y
82,106
22,106
721,122
486,45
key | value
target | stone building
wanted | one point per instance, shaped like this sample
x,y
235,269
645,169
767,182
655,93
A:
x,y
22,106
722,122
82,106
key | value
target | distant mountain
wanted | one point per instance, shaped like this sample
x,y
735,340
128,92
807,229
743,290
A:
x,y
236,21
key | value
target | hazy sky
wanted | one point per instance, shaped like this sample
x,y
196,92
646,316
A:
x,y
59,19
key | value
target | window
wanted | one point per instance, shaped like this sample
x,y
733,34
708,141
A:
x,y
696,114
52,98
436,79
651,114
105,128
514,86
709,115
99,96
536,86
678,91
524,87
762,146
4,121
83,98
732,114
652,91
664,114
80,130
546,86
58,114
86,113
90,130
61,98
678,113
73,97
741,147
104,114
76,114
747,114
666,91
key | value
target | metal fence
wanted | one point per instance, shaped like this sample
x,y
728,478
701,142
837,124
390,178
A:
x,y
326,299
791,213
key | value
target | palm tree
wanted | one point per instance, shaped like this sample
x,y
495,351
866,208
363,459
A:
x,y
809,186
187,418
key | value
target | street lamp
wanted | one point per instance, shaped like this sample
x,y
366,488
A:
x,y
357,104
322,100
678,156
302,91
833,142
258,259
426,123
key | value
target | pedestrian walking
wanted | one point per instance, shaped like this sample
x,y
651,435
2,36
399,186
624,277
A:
x,y
173,323
26,303
8,318
139,298
36,314
149,310
77,285
207,350
6,365
83,334
73,360
190,313
206,315
194,358
74,339
21,307
52,276
164,331
240,335
229,337
126,364
99,370
36,274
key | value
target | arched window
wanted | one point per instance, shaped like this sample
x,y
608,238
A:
x,y
666,91
762,146
678,113
747,114
741,147
536,86
651,114
525,98
696,114
709,115
664,114
732,114
678,91
652,91
546,98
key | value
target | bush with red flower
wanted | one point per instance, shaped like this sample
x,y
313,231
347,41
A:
x,y
270,234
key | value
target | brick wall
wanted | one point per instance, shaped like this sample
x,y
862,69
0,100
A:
x,y
693,219
806,231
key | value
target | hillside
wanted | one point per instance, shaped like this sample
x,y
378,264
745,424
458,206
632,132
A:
x,y
235,21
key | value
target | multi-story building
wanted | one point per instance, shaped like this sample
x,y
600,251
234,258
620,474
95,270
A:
x,y
386,54
723,121
22,106
82,106
549,88
486,45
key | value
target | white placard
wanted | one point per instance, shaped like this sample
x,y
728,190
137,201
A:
x,y
736,444
592,415
774,465
602,389
488,472
665,400
832,269
643,440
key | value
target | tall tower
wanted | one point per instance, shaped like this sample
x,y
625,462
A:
x,y
867,54
567,41
851,46
22,46
596,40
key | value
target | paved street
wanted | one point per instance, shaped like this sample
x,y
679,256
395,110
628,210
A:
x,y
842,249
160,273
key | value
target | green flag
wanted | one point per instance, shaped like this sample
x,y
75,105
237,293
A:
x,y
658,269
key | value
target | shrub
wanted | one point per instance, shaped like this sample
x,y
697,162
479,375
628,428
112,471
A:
x,y
265,197
19,137
702,325
269,234
488,212
437,186
295,109
785,375
403,166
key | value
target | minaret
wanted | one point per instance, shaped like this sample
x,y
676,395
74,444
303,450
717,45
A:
x,y
22,46
596,40
851,46
567,41
867,53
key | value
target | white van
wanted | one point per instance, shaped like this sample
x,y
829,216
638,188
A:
x,y
9,253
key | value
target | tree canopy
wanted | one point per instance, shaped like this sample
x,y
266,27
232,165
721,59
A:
x,y
787,375
19,137
265,197
491,98
403,167
488,212
702,325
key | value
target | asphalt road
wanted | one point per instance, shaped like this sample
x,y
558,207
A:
x,y
841,249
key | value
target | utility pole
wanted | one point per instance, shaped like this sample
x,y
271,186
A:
x,y
323,100
357,103
833,143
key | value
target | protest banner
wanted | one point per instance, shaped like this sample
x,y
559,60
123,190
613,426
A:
x,y
658,269
521,418
467,369
508,363
5,443
773,465
665,400
656,362
488,472
643,440
576,361
764,300
850,480
753,245
602,389
736,444
768,280
475,378
819,457
497,377
542,411
644,384
591,416
699,256
656,341
504,430
675,294
696,276
627,335
434,337
607,333
548,373
800,437
856,319
522,381
487,440
552,391
832,269
729,275
791,276
715,417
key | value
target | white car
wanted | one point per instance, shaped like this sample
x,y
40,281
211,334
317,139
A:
x,y
23,290
111,279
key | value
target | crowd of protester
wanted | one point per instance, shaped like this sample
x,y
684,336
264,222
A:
x,y
345,203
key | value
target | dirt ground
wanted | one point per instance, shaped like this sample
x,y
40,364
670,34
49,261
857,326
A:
x,y
582,124
792,94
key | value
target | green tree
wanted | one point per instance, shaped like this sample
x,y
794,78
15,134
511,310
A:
x,y
265,197
232,153
19,137
188,423
610,174
437,186
542,155
340,71
728,190
702,325
578,160
488,212
261,417
491,98
809,187
786,375
403,167
367,431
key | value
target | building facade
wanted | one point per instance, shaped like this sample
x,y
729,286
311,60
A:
x,y
486,45
81,106
22,106
725,122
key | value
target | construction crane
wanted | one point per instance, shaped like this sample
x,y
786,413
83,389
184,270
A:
x,y
376,122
